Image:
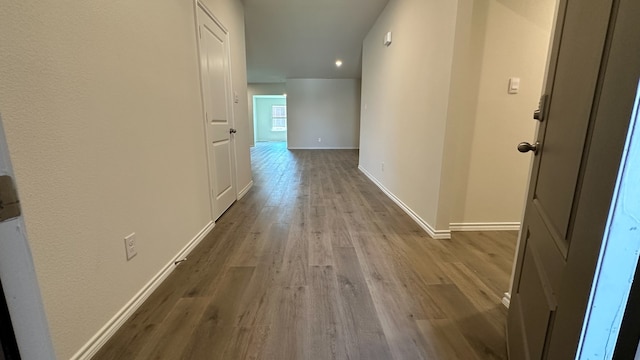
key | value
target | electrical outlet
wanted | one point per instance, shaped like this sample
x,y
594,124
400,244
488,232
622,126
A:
x,y
319,139
130,246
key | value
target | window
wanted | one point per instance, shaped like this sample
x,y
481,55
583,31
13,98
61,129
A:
x,y
278,118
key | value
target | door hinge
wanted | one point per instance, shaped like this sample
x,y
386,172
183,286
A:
x,y
9,203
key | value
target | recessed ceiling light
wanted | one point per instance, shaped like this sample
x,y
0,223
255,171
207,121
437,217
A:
x,y
338,63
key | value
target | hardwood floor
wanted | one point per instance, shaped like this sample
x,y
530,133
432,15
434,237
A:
x,y
315,262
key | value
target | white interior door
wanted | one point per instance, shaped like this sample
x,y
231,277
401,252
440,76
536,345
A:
x,y
216,89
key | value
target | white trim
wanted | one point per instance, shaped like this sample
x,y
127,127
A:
x,y
485,226
506,299
104,334
246,189
210,14
436,234
323,148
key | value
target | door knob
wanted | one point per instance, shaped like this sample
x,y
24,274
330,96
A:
x,y
232,131
524,147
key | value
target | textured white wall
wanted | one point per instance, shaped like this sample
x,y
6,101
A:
x,y
328,109
405,91
102,110
261,89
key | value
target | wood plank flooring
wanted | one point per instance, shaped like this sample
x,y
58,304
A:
x,y
315,262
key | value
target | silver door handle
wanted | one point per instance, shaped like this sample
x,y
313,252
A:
x,y
232,131
524,147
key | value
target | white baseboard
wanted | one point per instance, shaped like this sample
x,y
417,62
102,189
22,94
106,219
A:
x,y
506,299
105,333
323,148
246,189
436,234
488,226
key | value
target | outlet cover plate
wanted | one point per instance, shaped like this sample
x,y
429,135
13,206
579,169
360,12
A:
x,y
130,246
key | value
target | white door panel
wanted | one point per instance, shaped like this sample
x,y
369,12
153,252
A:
x,y
215,73
221,157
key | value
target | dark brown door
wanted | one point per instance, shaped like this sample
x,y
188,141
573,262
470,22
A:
x,y
580,140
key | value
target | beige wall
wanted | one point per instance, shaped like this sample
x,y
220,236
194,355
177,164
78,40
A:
x,y
437,113
516,44
104,125
328,109
465,84
261,89
405,91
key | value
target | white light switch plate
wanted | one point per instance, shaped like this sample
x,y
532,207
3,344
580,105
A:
x,y
514,85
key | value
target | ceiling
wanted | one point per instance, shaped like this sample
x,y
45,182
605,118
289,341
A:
x,y
304,38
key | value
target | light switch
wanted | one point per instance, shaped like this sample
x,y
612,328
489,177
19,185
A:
x,y
387,39
514,85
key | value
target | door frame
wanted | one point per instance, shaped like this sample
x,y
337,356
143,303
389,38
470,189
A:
x,y
230,108
20,282
617,114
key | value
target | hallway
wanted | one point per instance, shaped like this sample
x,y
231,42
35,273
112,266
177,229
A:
x,y
315,262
